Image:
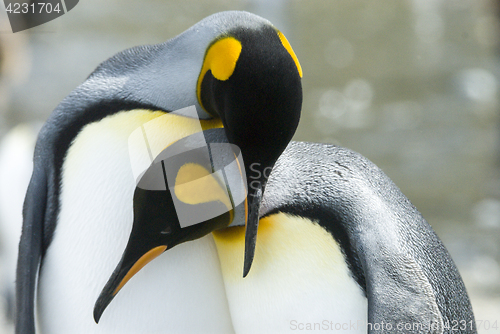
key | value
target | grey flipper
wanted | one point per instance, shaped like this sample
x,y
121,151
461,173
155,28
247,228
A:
x,y
406,272
30,250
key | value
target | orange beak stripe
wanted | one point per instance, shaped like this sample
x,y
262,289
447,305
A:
x,y
145,259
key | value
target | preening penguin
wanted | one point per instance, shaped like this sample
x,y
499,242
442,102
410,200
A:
x,y
240,73
331,238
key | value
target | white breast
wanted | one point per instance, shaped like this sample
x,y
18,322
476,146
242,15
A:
x,y
299,280
179,292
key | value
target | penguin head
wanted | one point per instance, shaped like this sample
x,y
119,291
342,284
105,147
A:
x,y
250,79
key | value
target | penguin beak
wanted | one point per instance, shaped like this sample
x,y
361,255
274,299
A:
x,y
132,261
147,241
252,222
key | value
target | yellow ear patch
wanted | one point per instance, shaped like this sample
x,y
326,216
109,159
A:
x,y
288,47
194,185
220,59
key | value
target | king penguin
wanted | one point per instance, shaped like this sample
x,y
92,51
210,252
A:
x,y
240,74
324,240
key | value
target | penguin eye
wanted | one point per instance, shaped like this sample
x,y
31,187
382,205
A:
x,y
220,59
288,47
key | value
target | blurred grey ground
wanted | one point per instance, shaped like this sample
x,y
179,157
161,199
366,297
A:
x,y
412,85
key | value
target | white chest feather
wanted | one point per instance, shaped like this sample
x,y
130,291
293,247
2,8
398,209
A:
x,y
299,280
179,292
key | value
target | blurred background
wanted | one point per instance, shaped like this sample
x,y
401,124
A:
x,y
413,85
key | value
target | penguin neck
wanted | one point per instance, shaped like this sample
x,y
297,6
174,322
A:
x,y
299,275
